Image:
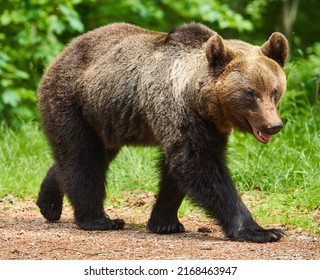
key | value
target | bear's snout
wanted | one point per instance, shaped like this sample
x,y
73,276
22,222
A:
x,y
273,127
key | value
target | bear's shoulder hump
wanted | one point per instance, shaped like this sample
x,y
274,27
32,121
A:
x,y
192,34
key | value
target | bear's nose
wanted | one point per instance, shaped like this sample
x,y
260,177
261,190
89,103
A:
x,y
273,127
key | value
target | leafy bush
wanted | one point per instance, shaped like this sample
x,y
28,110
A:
x,y
304,74
302,97
31,35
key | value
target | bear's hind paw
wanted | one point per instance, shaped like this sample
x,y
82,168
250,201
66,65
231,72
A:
x,y
50,210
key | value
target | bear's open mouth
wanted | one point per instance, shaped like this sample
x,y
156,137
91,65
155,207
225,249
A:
x,y
260,136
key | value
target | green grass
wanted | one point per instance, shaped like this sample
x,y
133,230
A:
x,y
134,168
280,181
24,160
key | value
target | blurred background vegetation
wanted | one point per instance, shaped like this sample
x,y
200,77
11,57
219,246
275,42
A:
x,y
33,32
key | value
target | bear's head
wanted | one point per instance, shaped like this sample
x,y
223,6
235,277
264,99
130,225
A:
x,y
247,84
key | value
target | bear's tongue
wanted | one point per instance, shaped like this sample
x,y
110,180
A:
x,y
261,137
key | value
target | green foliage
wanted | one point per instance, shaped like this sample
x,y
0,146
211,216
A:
x,y
303,82
163,14
31,34
212,12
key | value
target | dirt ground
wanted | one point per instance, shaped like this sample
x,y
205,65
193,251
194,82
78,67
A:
x,y
26,235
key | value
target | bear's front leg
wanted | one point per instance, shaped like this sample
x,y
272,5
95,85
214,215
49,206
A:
x,y
164,216
200,171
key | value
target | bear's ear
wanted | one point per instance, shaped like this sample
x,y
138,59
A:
x,y
276,48
218,54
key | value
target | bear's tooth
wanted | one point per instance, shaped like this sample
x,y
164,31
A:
x,y
260,134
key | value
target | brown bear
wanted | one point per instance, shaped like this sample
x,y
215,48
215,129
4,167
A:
x,y
184,91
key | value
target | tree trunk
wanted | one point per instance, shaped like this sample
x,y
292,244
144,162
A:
x,y
289,11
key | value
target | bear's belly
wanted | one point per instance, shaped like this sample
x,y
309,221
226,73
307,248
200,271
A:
x,y
118,136
116,132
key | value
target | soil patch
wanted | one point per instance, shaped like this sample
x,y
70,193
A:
x,y
26,235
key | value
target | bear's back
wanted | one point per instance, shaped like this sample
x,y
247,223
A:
x,y
100,40
114,33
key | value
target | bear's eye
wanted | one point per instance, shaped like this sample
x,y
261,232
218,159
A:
x,y
275,96
250,95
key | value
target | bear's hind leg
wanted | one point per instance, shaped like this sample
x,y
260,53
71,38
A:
x,y
51,196
85,182
89,212
164,219
82,161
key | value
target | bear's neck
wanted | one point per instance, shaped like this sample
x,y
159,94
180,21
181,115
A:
x,y
209,107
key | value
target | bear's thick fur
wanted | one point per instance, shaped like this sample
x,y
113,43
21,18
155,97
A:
x,y
184,91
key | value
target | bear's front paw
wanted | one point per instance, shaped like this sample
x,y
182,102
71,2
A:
x,y
101,224
165,228
258,235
